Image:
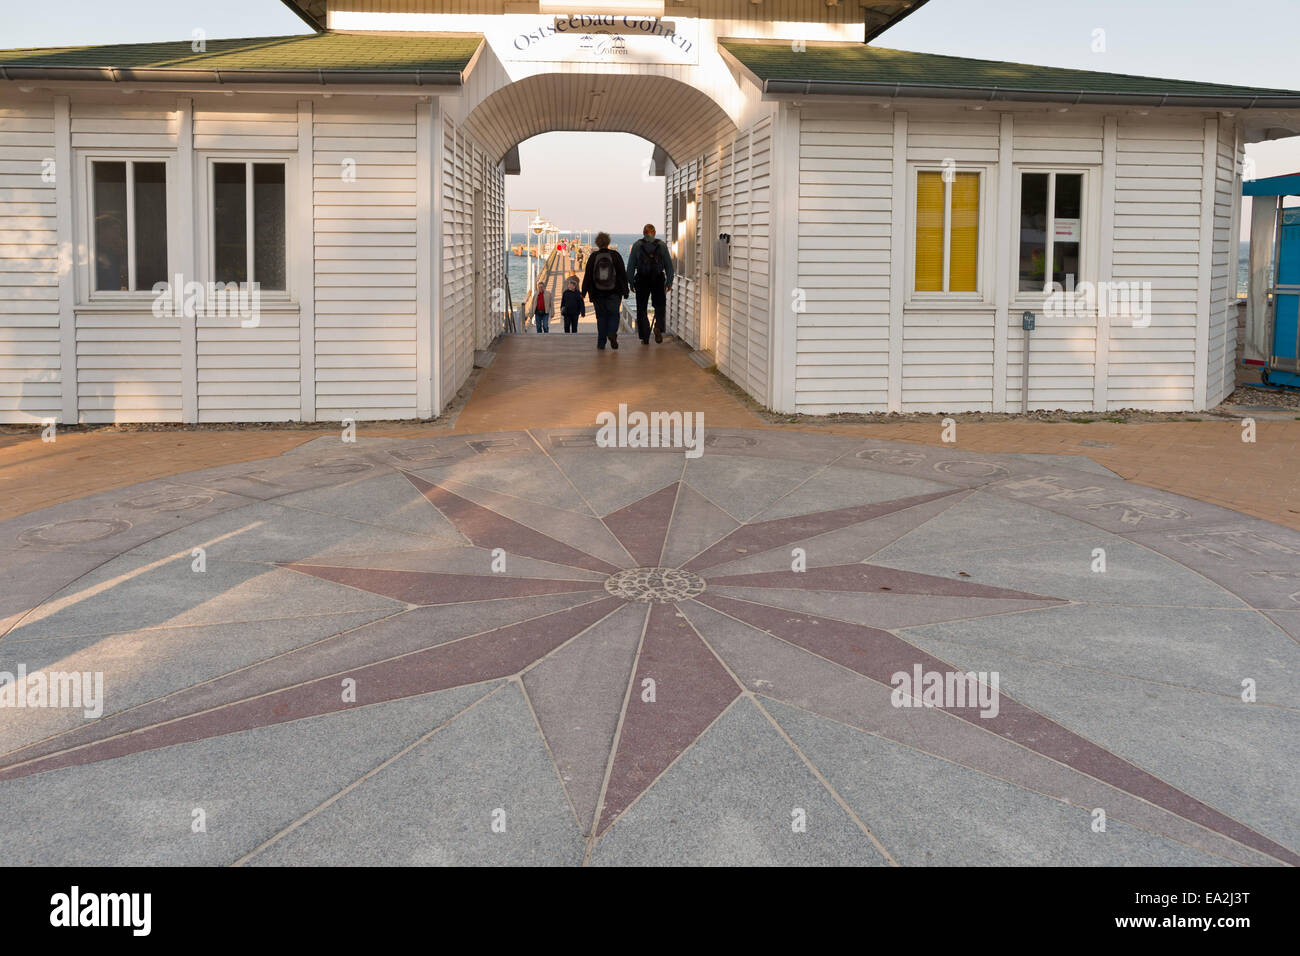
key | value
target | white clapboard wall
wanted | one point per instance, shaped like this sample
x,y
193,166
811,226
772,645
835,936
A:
x,y
686,299
128,361
1160,168
744,212
948,354
340,344
469,321
30,376
845,185
1221,371
494,250
248,374
365,247
1160,207
1064,347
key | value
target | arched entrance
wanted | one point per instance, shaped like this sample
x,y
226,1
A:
x,y
711,143
680,121
677,117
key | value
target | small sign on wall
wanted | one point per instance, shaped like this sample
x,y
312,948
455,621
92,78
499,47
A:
x,y
1066,230
722,251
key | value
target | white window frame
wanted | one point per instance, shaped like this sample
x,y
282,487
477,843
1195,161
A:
x,y
208,255
983,287
1090,208
86,229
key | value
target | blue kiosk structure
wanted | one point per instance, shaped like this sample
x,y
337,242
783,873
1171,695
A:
x,y
1273,305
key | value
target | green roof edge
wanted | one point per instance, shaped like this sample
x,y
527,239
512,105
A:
x,y
1210,94
210,66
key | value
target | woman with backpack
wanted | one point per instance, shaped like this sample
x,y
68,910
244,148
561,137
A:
x,y
605,283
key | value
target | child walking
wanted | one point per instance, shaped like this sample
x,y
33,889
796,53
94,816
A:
x,y
571,304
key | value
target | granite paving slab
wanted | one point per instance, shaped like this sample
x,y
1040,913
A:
x,y
521,647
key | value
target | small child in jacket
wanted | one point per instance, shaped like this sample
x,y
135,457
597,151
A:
x,y
571,304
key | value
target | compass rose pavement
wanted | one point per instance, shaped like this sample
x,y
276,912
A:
x,y
519,647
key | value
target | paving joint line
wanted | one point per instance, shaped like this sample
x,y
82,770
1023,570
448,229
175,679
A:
x,y
372,772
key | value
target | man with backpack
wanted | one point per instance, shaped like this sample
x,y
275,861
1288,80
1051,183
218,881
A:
x,y
650,271
605,283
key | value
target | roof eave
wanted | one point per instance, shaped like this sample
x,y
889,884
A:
x,y
217,77
304,16
788,87
870,34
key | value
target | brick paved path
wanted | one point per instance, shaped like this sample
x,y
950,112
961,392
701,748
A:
x,y
569,382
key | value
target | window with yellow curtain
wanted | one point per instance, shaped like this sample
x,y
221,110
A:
x,y
929,231
963,248
947,231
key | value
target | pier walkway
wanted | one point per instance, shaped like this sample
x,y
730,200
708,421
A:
x,y
564,380
557,268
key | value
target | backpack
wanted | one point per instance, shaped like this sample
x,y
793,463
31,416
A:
x,y
603,273
648,263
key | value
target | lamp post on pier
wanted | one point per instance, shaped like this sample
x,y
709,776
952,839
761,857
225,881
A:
x,y
537,227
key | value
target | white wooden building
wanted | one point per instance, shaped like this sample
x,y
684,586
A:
x,y
891,215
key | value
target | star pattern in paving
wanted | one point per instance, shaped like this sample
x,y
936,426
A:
x,y
640,711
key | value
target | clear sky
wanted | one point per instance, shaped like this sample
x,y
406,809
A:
x,y
1247,42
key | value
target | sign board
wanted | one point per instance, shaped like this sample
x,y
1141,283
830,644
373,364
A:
x,y
601,38
1066,230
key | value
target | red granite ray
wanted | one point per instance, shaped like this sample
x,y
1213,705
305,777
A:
x,y
496,654
487,529
776,669
878,655
642,526
765,535
577,696
691,690
379,640
432,587
872,577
